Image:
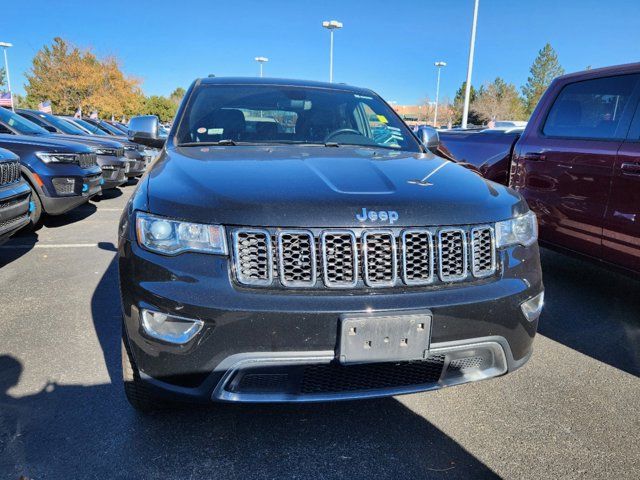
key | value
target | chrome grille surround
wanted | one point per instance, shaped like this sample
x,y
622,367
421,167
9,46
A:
x,y
297,250
336,269
359,258
380,264
483,252
452,254
9,172
254,256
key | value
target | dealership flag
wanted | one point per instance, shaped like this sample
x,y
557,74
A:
x,y
45,106
78,113
94,115
5,99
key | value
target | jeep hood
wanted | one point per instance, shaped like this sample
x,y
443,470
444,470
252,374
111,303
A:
x,y
36,142
293,186
90,141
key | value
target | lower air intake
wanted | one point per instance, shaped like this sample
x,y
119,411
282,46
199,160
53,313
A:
x,y
334,378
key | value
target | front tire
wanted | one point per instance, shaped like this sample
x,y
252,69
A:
x,y
35,217
137,392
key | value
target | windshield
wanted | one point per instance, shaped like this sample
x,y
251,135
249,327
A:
x,y
20,124
259,114
110,128
95,130
60,124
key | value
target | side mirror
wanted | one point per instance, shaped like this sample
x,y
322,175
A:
x,y
429,138
51,129
144,130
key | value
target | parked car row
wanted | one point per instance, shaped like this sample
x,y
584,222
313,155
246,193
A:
x,y
577,163
49,165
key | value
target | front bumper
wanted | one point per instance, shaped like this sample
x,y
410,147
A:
x,y
135,168
85,188
285,334
113,171
14,208
113,177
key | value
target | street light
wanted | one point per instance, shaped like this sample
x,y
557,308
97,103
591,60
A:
x,y
331,25
438,65
4,46
467,90
261,61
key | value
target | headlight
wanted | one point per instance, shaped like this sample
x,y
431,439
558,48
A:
x,y
57,157
522,230
130,147
171,237
105,151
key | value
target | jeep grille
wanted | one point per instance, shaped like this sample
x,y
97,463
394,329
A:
x,y
360,258
86,160
9,172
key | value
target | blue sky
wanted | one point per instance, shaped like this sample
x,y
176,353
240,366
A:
x,y
389,46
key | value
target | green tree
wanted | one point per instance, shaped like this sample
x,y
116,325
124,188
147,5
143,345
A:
x,y
72,77
498,100
163,107
19,101
458,105
177,95
543,70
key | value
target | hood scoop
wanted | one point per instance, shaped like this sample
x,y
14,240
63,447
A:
x,y
352,176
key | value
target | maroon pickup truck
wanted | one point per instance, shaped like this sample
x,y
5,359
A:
x,y
577,163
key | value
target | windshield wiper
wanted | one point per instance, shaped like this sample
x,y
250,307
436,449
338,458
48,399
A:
x,y
223,142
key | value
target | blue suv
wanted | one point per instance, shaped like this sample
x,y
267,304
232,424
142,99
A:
x,y
14,196
62,175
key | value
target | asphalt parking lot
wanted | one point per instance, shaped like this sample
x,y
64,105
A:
x,y
572,412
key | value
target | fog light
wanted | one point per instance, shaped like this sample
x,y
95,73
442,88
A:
x,y
169,328
64,186
532,308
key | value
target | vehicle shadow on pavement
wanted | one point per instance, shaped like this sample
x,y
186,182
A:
x,y
592,310
24,240
365,439
16,247
76,215
78,431
108,194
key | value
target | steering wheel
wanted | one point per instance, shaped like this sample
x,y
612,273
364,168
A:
x,y
341,131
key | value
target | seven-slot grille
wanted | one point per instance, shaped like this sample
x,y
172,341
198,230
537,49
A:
x,y
86,160
362,258
9,172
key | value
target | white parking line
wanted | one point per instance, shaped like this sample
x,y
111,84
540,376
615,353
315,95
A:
x,y
59,245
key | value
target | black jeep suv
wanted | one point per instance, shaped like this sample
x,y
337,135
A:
x,y
295,241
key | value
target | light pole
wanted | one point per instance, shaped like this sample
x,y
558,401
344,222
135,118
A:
x,y
467,90
331,25
4,46
439,66
261,61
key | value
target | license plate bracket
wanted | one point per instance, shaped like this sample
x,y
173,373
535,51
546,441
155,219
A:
x,y
384,337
